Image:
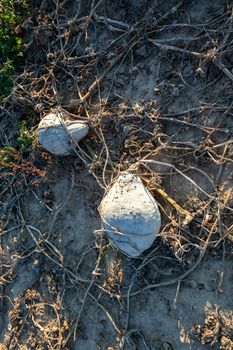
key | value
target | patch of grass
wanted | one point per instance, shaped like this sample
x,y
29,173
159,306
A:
x,y
12,14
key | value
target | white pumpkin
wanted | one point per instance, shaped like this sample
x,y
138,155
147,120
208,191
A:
x,y
130,215
56,138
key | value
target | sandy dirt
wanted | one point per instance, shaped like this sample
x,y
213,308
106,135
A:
x,y
62,285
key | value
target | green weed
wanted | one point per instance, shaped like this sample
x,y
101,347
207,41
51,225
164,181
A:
x,y
12,14
26,135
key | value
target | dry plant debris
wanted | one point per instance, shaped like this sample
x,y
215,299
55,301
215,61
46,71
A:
x,y
217,328
41,322
153,81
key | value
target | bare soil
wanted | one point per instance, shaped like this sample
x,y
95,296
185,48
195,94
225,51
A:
x,y
62,286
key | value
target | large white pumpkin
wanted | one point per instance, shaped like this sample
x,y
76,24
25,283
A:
x,y
130,215
56,138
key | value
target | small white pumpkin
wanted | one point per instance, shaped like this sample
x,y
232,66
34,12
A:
x,y
130,215
56,138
